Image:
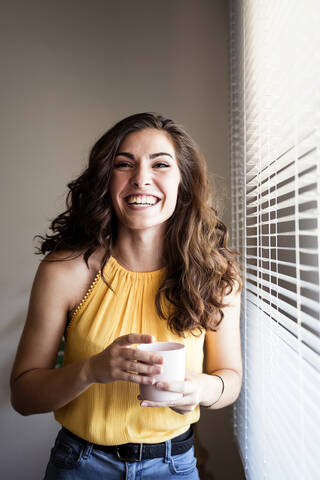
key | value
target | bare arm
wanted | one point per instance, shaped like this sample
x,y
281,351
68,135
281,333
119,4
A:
x,y
223,357
38,387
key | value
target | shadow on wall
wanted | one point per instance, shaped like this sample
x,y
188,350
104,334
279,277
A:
x,y
202,456
224,462
12,328
20,434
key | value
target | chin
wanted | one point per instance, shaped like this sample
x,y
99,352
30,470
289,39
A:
x,y
143,225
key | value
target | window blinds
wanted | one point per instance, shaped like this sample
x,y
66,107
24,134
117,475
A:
x,y
275,143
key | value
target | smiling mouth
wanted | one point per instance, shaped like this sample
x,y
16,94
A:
x,y
133,201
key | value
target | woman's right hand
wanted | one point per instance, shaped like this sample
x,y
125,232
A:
x,y
118,362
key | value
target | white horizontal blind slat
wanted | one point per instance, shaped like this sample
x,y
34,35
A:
x,y
287,278
275,151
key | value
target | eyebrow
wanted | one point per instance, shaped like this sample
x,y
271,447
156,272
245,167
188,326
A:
x,y
151,156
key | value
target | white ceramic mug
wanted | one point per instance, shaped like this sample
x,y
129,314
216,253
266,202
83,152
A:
x,y
174,355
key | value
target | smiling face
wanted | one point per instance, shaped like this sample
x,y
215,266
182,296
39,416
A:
x,y
145,180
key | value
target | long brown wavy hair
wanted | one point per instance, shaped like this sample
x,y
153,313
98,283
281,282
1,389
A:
x,y
201,268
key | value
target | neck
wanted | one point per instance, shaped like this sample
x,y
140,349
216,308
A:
x,y
139,250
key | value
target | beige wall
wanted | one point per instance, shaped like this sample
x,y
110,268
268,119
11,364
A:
x,y
69,70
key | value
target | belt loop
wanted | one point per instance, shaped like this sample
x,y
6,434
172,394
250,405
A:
x,y
168,451
87,450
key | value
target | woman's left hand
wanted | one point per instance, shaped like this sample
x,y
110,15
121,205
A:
x,y
191,389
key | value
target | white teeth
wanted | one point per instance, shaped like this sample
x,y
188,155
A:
x,y
142,199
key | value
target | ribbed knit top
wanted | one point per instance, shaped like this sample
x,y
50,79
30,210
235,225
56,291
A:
x,y
110,414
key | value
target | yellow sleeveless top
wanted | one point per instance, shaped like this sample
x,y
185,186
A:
x,y
110,414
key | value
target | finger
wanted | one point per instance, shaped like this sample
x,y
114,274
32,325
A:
x,y
182,412
181,402
140,368
185,387
141,356
149,403
132,338
134,378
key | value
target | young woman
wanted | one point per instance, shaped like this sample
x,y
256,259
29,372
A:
x,y
139,255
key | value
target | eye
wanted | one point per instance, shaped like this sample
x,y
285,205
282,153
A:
x,y
122,164
164,165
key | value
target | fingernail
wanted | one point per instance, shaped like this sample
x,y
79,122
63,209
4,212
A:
x,y
143,404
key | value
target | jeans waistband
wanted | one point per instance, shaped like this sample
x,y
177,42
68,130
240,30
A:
x,y
135,452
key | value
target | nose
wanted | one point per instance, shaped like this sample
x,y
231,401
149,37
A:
x,y
141,175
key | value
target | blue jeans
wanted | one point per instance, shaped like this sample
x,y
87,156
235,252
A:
x,y
71,460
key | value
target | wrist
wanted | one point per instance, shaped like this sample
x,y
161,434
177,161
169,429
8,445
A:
x,y
92,371
87,371
214,393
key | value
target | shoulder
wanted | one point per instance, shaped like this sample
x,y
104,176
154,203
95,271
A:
x,y
69,271
61,266
72,262
232,294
